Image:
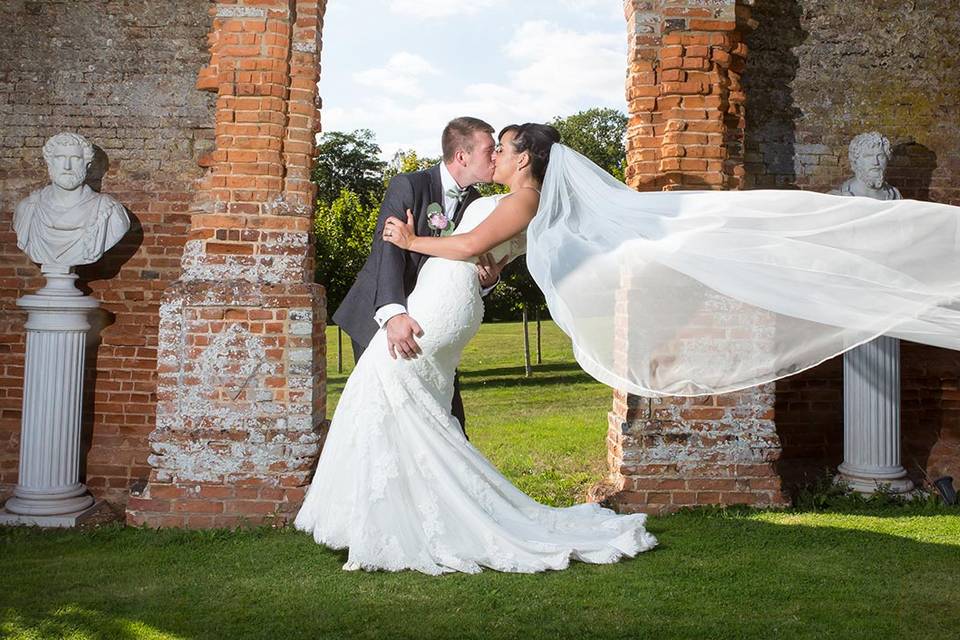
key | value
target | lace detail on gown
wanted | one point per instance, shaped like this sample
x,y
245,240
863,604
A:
x,y
400,486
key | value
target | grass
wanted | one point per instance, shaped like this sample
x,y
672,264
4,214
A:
x,y
857,572
716,575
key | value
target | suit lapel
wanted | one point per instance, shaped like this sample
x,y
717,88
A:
x,y
436,196
427,190
436,187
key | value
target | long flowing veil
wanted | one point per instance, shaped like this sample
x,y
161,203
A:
x,y
701,292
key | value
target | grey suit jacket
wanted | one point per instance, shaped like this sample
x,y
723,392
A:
x,y
390,273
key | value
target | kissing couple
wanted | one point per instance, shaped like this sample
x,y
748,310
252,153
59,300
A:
x,y
399,484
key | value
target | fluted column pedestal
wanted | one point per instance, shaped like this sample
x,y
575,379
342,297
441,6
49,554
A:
x,y
49,491
871,418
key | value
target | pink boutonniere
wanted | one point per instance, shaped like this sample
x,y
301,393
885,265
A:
x,y
438,221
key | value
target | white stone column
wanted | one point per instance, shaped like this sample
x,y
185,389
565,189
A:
x,y
871,418
49,491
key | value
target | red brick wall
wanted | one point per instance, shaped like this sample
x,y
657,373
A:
x,y
122,73
726,95
809,410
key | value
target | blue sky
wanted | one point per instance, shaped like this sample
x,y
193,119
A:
x,y
403,68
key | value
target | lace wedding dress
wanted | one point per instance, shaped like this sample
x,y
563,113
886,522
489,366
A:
x,y
401,487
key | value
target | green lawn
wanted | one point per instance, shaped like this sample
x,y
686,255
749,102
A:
x,y
759,575
845,573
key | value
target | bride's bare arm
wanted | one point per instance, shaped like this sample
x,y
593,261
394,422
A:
x,y
511,216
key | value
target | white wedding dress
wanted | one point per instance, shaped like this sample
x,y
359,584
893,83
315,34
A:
x,y
401,487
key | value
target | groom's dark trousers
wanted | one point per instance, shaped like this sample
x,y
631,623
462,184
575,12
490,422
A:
x,y
390,273
456,409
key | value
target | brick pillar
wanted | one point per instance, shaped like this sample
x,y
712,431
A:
x,y
684,94
240,392
686,132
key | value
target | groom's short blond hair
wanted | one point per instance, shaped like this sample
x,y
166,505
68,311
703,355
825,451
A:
x,y
458,134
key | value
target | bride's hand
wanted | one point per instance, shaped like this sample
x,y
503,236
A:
x,y
399,233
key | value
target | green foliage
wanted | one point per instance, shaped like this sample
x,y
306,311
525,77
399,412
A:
x,y
343,230
351,162
491,189
599,134
407,161
826,493
349,175
516,289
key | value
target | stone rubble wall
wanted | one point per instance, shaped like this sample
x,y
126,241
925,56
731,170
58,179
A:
x,y
818,74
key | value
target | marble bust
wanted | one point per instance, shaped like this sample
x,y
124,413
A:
x,y
869,154
67,223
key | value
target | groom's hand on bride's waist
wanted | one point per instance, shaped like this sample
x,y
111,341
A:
x,y
489,269
401,330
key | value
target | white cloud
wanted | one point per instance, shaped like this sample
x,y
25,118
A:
x,y
608,7
562,65
401,75
441,8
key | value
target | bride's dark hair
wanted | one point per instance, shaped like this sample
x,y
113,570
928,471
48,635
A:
x,y
537,140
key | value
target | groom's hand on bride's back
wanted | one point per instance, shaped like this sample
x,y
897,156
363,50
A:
x,y
401,330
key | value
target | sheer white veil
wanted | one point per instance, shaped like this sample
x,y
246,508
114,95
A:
x,y
701,292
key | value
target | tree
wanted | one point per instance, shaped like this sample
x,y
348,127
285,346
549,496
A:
x,y
405,161
350,185
344,230
598,134
351,162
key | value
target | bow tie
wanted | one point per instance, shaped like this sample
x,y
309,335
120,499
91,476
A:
x,y
457,193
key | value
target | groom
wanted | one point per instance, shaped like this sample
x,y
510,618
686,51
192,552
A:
x,y
379,295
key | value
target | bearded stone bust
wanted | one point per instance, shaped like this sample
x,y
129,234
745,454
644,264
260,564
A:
x,y
869,154
67,223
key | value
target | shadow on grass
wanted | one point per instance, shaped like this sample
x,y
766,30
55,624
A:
x,y
534,381
713,576
566,367
502,377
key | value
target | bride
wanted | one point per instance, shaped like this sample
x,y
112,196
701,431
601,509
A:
x,y
643,284
397,482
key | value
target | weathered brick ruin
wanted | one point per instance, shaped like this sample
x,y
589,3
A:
x,y
205,381
240,386
206,391
817,74
726,94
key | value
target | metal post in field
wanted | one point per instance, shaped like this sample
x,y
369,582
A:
x,y
339,350
527,369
